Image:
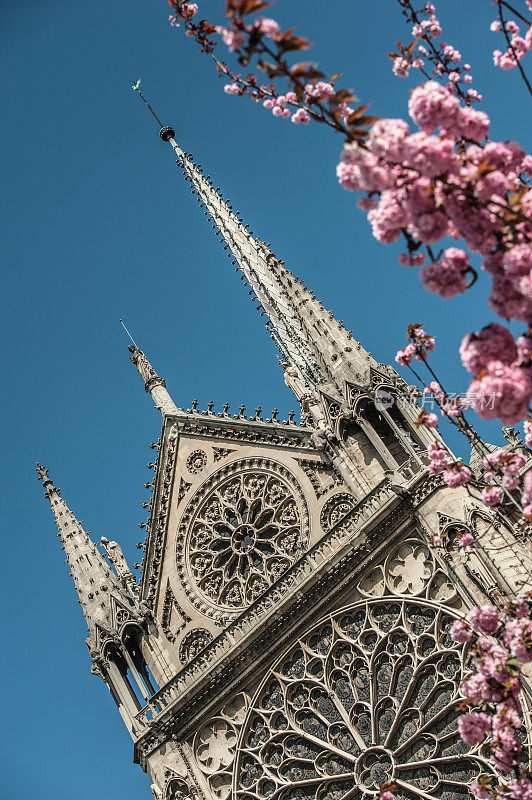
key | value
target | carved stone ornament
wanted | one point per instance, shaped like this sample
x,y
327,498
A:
x,y
215,746
336,509
196,461
369,695
193,643
246,528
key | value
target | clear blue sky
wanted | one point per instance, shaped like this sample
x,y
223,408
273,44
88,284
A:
x,y
98,224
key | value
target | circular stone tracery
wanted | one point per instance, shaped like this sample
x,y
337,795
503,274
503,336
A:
x,y
246,532
369,695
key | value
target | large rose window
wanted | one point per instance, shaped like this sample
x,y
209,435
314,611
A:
x,y
246,532
369,696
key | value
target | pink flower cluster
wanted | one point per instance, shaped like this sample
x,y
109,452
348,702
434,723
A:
x,y
320,91
419,346
528,431
234,37
456,475
448,275
494,685
411,173
460,632
517,48
506,465
279,108
445,181
491,496
473,727
526,498
502,368
188,10
232,88
438,458
492,343
502,391
269,27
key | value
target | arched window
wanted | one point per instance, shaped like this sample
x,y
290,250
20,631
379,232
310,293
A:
x,y
138,666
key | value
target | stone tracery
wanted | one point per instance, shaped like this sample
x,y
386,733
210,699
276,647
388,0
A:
x,y
246,532
369,695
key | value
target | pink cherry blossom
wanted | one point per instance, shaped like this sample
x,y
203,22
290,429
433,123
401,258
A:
x,y
473,727
501,391
472,124
405,356
232,88
269,27
389,218
526,498
477,689
447,276
438,458
234,39
467,540
429,155
401,67
492,342
528,431
521,789
415,260
361,170
484,619
491,496
432,106
300,116
460,632
387,138
518,638
457,474
321,90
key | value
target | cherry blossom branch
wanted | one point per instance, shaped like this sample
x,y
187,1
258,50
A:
x,y
511,46
516,12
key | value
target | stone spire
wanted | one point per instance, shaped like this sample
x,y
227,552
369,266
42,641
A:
x,y
317,351
94,579
153,383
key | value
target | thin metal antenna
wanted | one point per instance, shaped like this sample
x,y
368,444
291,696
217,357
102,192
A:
x,y
130,336
136,88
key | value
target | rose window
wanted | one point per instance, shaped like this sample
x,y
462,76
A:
x,y
368,696
247,531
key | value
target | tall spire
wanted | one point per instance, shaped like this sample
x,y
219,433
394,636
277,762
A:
x,y
93,577
317,351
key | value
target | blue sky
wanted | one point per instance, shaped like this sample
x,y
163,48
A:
x,y
98,225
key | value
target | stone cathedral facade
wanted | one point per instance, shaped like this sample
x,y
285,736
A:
x,y
289,635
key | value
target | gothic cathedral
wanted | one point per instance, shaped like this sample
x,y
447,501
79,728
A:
x,y
289,636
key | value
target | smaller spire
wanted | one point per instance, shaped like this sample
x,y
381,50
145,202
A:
x,y
153,383
93,578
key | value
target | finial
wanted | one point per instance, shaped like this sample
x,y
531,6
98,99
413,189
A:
x,y
130,336
42,475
